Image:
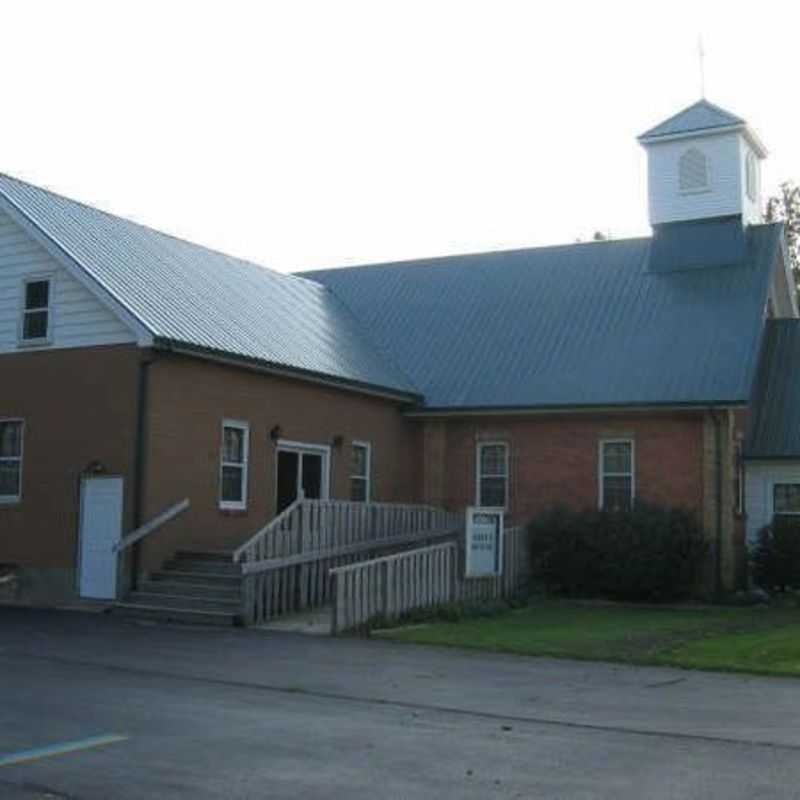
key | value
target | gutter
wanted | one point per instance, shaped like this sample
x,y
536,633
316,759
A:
x,y
140,458
718,492
615,408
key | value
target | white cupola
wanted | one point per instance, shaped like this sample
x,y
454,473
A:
x,y
702,163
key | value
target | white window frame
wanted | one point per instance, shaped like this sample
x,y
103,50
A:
x,y
367,478
324,450
602,474
506,460
7,499
778,482
235,505
49,277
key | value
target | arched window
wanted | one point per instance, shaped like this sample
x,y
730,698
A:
x,y
751,176
693,171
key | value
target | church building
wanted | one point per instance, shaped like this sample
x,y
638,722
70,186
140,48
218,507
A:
x,y
139,370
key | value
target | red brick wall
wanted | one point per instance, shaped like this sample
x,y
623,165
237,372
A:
x,y
554,459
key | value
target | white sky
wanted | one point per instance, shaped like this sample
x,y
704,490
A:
x,y
312,134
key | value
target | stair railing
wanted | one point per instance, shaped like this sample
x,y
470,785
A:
x,y
152,526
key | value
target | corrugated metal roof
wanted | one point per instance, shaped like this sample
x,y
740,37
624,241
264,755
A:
x,y
774,425
701,115
190,296
697,244
577,325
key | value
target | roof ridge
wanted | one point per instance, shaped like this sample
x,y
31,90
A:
x,y
152,229
475,254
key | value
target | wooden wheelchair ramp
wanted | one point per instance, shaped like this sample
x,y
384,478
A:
x,y
388,587
286,566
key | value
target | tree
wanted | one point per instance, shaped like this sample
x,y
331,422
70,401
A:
x,y
785,207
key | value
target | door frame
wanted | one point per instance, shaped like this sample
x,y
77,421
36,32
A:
x,y
324,450
81,515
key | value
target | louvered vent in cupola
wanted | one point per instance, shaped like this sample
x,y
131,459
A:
x,y
693,171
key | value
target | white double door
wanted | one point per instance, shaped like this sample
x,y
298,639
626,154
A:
x,y
301,467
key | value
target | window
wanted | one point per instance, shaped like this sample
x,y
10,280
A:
x,y
492,483
751,177
360,472
616,475
233,467
10,460
786,498
36,312
693,171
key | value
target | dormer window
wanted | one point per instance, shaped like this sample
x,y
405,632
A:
x,y
35,323
693,171
751,178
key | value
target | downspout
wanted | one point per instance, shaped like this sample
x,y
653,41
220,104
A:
x,y
718,491
140,456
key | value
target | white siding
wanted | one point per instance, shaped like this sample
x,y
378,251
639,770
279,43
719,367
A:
x,y
759,480
78,318
726,192
751,209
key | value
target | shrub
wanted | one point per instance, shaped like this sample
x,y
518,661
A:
x,y
775,558
647,554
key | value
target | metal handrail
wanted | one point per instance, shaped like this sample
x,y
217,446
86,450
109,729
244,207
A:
x,y
152,526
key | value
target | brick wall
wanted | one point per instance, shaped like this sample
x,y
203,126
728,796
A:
x,y
554,458
79,406
188,400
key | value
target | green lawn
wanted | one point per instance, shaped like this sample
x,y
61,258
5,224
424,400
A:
x,y
760,640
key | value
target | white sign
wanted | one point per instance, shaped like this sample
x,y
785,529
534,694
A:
x,y
484,542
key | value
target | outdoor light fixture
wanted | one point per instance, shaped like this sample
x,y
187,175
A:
x,y
337,440
94,468
275,433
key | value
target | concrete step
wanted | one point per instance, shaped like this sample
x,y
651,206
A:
x,y
209,578
199,589
188,602
200,566
206,555
169,613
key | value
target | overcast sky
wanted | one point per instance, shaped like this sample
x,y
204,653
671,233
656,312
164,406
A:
x,y
313,134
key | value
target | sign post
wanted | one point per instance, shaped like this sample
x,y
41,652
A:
x,y
484,542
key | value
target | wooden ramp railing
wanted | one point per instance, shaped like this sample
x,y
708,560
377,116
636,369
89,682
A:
x,y
427,577
286,564
393,585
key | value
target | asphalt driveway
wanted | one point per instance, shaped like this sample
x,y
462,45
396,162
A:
x,y
96,707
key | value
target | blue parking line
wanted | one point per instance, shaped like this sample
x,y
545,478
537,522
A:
x,y
36,753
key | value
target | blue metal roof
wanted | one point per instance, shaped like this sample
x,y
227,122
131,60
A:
x,y
576,325
701,115
189,296
774,425
697,244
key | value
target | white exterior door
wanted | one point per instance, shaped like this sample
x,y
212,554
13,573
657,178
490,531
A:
x,y
101,529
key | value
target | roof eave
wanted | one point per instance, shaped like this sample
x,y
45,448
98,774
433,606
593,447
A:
x,y
739,127
567,408
262,365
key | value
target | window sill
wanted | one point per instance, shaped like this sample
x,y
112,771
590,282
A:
x,y
32,344
233,511
5,502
